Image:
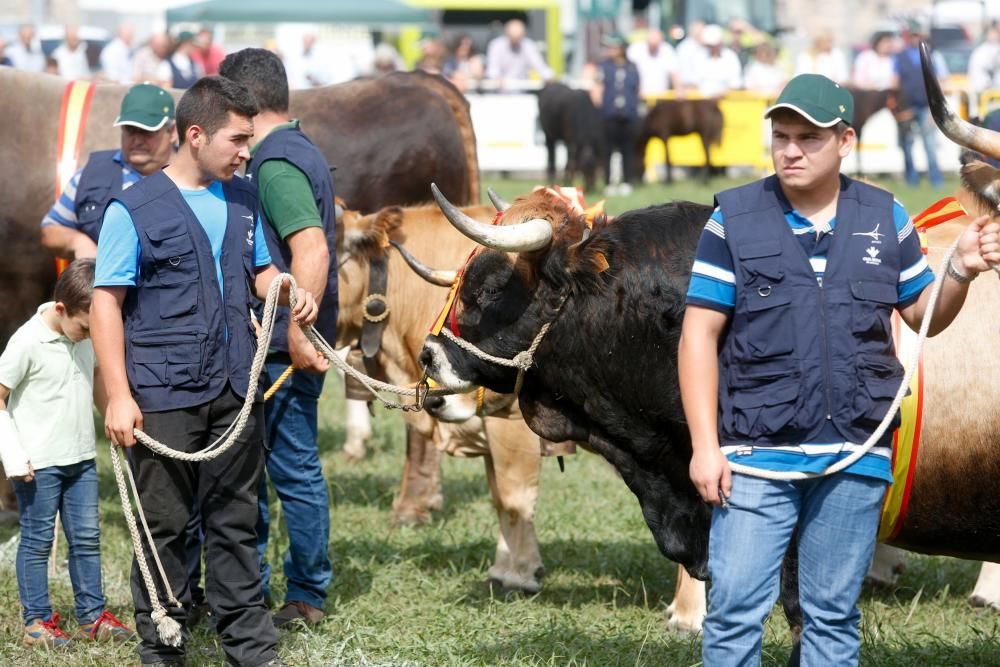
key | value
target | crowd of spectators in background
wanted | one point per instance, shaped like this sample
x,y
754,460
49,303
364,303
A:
x,y
705,59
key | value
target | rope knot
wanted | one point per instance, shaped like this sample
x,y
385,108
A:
x,y
167,628
523,360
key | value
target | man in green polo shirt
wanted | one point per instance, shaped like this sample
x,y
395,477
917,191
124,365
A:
x,y
296,194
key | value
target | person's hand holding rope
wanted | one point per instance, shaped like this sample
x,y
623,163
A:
x,y
305,310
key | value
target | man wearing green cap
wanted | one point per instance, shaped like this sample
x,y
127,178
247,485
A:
x,y
787,364
72,226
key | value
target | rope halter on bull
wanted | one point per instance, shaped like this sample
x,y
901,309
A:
x,y
168,629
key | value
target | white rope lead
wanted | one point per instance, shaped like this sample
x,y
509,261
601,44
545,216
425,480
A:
x,y
167,628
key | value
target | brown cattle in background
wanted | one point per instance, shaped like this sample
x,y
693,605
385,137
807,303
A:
x,y
672,118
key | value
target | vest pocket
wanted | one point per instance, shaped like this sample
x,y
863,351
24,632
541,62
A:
x,y
770,331
871,310
168,358
764,400
173,252
877,384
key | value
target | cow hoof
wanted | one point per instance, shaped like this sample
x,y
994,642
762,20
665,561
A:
x,y
540,572
979,601
351,458
679,625
410,518
503,589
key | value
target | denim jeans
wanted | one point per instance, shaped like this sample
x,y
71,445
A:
x,y
837,518
72,490
295,471
923,124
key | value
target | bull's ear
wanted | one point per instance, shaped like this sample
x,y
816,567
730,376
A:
x,y
983,181
589,258
388,220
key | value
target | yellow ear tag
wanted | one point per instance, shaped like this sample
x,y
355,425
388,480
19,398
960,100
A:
x,y
601,262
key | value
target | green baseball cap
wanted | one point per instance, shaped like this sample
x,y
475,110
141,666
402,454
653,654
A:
x,y
815,97
146,106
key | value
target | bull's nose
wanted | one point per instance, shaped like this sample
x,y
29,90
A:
x,y
433,403
426,358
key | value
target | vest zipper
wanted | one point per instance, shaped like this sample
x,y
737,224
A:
x,y
826,347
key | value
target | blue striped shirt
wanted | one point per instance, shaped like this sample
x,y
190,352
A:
x,y
713,285
63,212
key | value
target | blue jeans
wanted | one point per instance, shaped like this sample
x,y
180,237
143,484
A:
x,y
923,124
294,468
837,518
72,491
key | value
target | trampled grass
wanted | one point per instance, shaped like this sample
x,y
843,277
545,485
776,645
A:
x,y
408,597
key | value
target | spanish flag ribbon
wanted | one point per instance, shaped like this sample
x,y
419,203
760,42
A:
x,y
906,439
73,112
941,211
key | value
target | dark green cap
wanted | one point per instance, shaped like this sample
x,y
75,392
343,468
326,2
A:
x,y
146,106
821,101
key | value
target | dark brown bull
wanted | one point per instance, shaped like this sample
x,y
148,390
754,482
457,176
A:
x,y
672,118
866,104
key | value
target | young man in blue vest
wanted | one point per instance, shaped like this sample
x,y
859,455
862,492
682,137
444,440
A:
x,y
787,363
72,226
181,255
619,79
296,195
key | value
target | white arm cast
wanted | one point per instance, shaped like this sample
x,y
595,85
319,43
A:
x,y
15,460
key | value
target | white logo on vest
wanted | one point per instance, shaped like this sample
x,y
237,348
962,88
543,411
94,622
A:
x,y
872,258
250,238
873,234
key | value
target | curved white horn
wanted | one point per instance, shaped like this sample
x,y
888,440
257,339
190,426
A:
x,y
498,202
433,276
522,237
961,132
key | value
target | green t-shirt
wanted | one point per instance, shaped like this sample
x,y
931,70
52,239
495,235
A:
x,y
286,194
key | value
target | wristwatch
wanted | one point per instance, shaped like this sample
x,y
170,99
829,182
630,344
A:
x,y
958,277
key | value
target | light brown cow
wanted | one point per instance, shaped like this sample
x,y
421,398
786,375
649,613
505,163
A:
x,y
511,451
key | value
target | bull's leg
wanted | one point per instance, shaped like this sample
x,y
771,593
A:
x,y
666,161
420,489
887,564
550,170
359,429
987,591
707,173
688,608
513,469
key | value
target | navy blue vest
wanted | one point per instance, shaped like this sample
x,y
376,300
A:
x,y
183,341
100,181
624,91
292,145
800,351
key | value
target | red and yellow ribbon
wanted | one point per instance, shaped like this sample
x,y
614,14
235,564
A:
x,y
906,441
76,100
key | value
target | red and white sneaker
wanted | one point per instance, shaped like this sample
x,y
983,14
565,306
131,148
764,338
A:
x,y
106,628
45,634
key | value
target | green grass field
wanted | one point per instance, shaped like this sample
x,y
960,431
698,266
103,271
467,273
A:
x,y
418,596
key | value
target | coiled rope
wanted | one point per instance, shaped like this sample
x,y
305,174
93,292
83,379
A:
x,y
167,628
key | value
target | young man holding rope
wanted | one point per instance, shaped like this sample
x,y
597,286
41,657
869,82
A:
x,y
787,364
179,257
